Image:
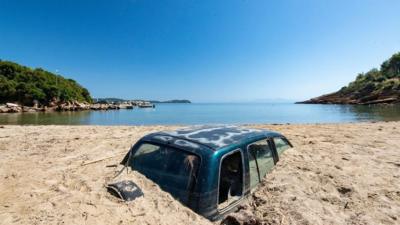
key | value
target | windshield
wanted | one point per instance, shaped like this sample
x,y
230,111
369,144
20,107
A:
x,y
174,170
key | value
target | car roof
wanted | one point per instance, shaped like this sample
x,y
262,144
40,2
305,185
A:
x,y
215,137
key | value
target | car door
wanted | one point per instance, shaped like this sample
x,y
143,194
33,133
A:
x,y
262,159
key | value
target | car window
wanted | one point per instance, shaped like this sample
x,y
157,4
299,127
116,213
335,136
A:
x,y
230,180
172,169
261,161
281,145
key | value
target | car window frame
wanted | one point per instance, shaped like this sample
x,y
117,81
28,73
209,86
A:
x,y
235,203
274,151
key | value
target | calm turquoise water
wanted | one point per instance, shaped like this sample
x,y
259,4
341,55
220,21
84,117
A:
x,y
202,113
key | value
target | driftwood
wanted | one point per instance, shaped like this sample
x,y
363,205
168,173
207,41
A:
x,y
98,160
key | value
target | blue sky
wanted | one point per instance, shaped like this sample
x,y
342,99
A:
x,y
205,51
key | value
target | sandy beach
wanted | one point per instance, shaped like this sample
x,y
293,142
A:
x,y
335,174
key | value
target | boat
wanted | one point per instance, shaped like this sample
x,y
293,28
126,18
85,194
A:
x,y
146,105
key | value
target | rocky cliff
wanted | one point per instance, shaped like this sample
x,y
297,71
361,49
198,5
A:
x,y
374,87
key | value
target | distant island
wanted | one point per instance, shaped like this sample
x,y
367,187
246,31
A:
x,y
374,87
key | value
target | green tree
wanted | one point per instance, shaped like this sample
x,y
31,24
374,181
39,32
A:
x,y
26,85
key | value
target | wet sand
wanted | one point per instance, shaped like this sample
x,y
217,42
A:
x,y
335,174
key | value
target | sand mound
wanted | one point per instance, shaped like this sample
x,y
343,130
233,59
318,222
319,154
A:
x,y
156,206
336,174
45,179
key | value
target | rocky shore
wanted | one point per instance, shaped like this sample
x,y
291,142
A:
x,y
377,86
68,106
353,99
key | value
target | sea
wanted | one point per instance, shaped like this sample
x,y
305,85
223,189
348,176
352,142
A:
x,y
212,113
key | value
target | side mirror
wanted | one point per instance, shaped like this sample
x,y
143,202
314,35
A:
x,y
126,190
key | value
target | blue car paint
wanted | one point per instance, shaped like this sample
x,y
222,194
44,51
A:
x,y
210,144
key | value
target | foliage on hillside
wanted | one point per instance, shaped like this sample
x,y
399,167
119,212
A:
x,y
25,85
378,81
376,86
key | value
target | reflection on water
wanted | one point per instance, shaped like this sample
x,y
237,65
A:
x,y
48,118
213,114
382,112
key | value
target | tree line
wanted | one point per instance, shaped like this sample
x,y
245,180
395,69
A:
x,y
377,81
28,86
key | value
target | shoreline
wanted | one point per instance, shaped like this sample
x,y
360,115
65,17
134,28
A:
x,y
322,180
188,125
84,106
73,107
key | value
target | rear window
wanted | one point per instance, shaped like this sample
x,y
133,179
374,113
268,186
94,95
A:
x,y
174,170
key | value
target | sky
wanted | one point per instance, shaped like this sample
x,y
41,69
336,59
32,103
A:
x,y
202,50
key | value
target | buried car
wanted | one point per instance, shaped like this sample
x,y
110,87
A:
x,y
209,169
